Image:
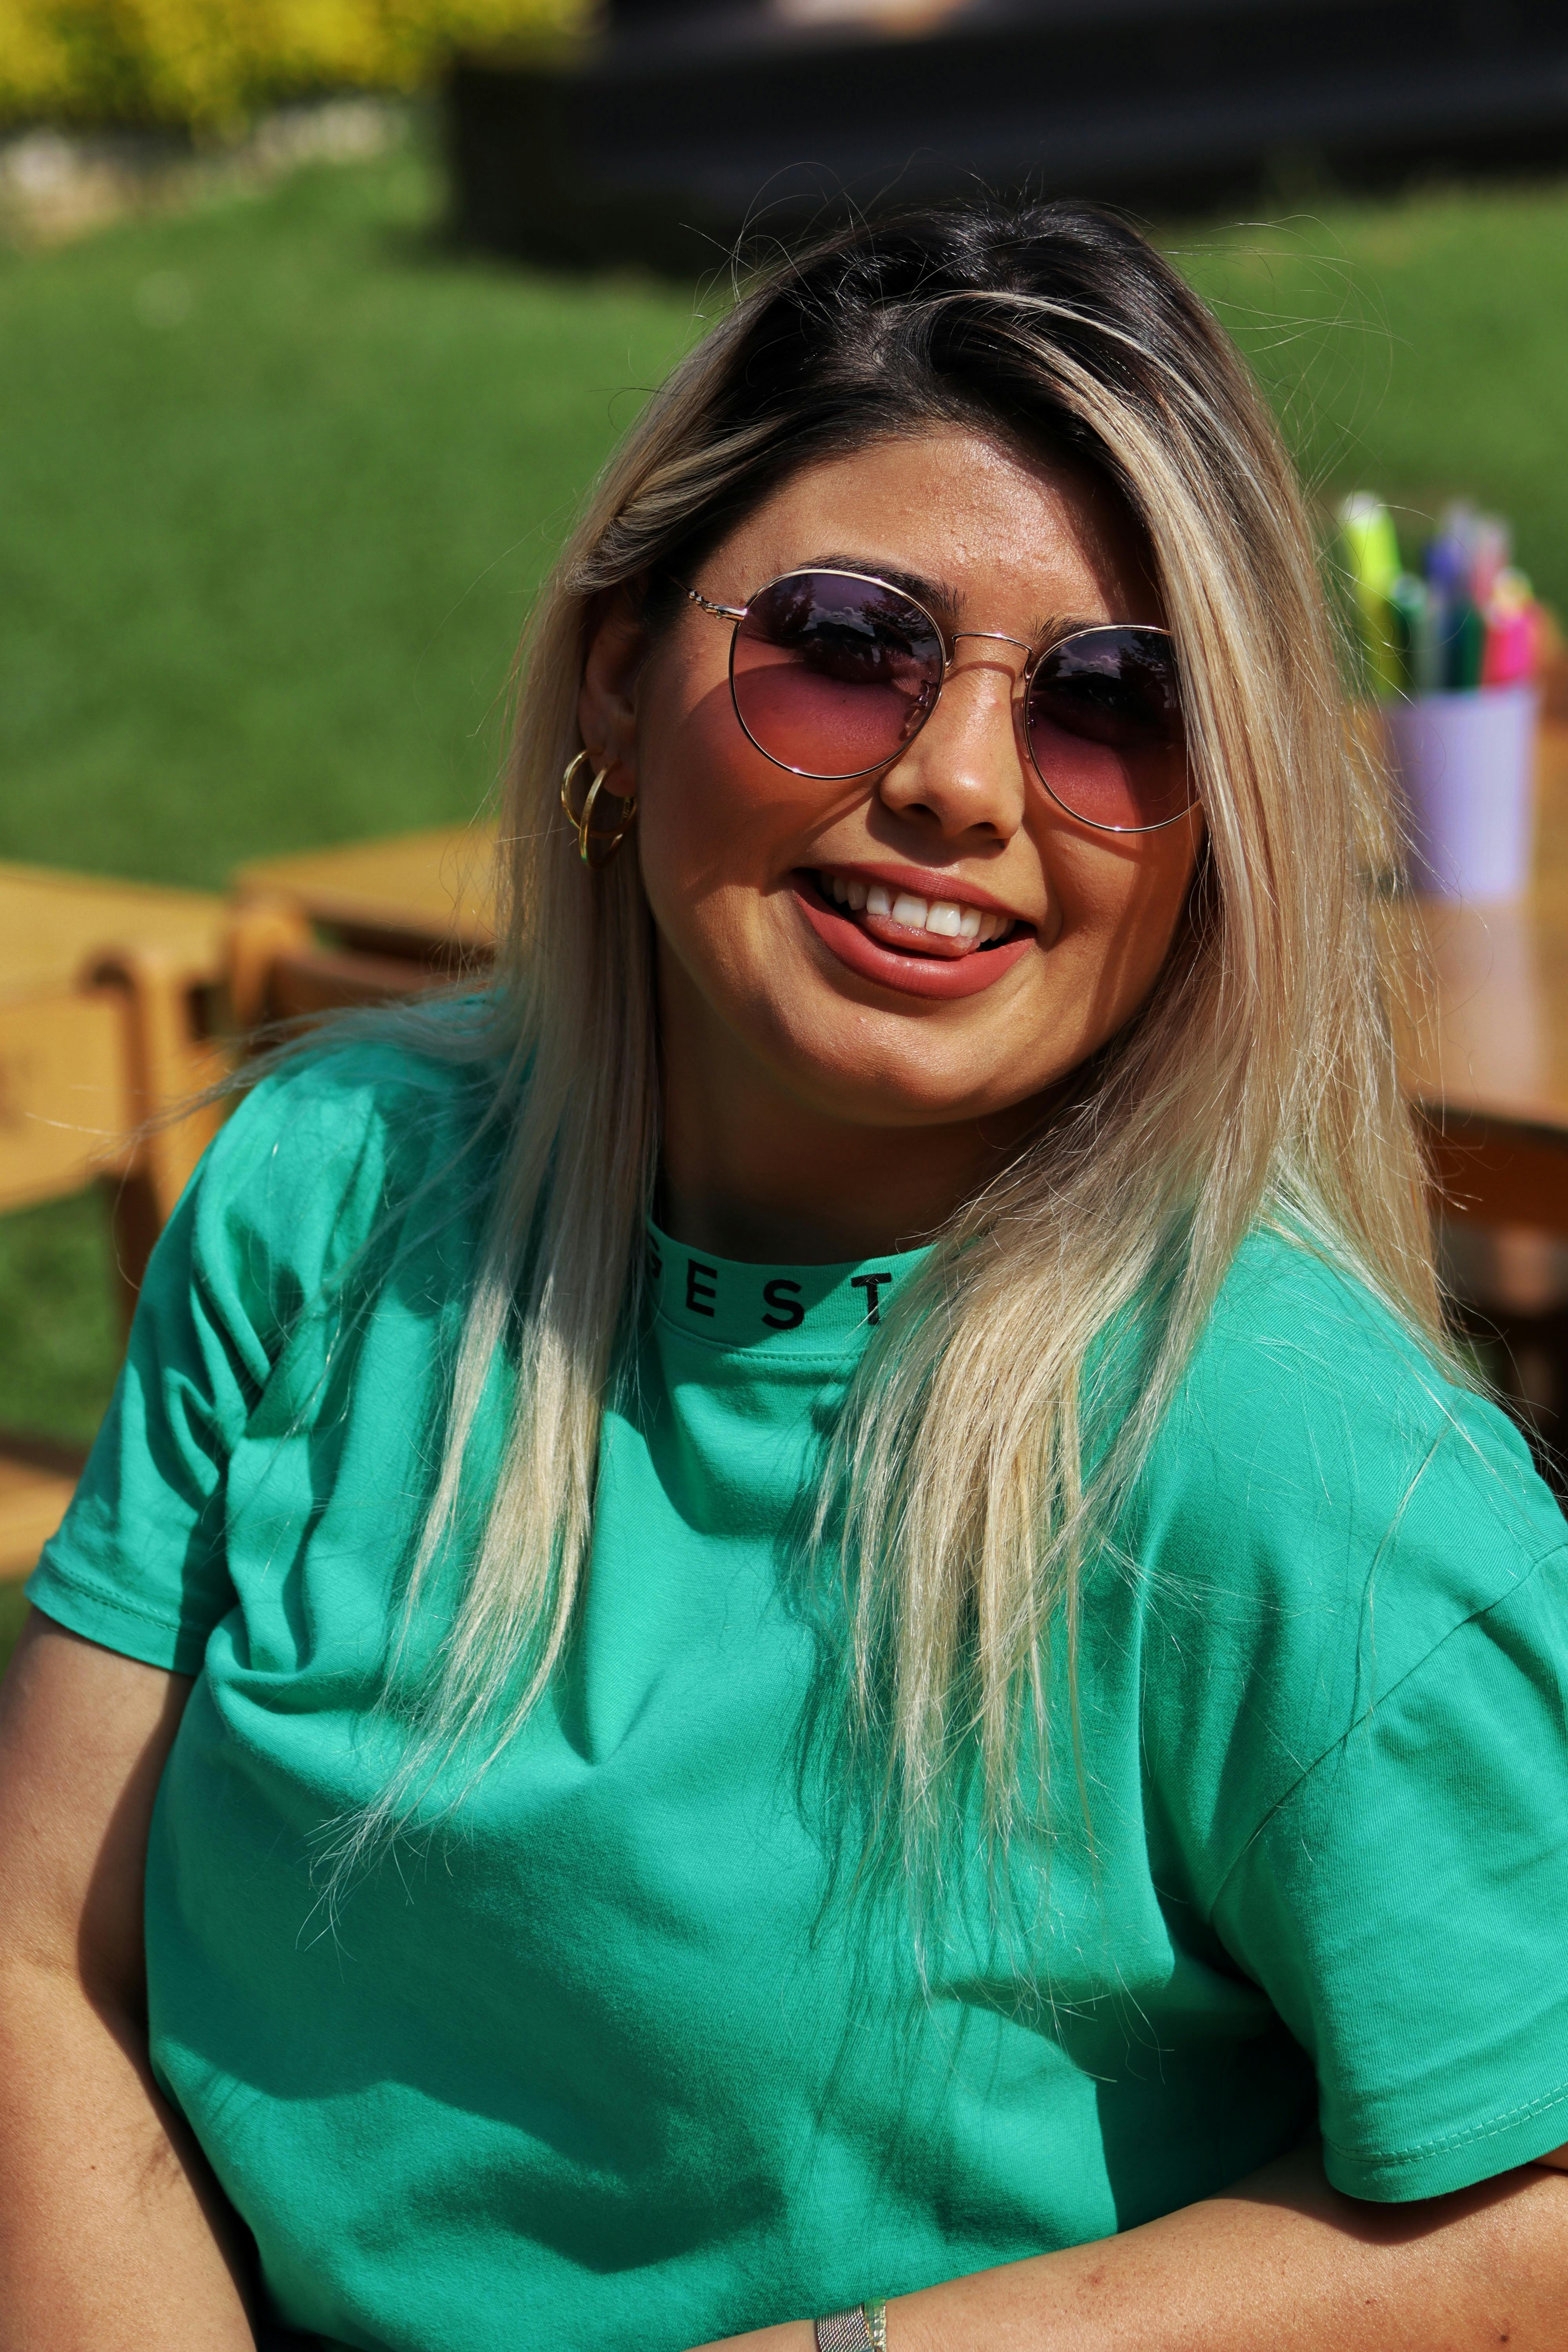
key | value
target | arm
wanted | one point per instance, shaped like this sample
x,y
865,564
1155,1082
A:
x,y
1281,2262
113,2235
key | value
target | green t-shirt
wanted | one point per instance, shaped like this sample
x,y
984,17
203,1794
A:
x,y
632,2056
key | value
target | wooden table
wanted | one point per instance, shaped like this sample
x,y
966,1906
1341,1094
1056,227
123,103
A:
x,y
82,962
74,954
426,895
1485,1047
105,1024
368,922
1485,1044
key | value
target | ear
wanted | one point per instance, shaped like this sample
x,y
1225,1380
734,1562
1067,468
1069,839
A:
x,y
607,704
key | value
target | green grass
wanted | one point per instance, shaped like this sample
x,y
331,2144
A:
x,y
279,477
60,1340
280,473
13,1610
60,1320
1416,347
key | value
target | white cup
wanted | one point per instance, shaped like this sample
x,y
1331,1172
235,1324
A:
x,y
1467,764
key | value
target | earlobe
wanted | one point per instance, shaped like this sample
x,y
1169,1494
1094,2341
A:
x,y
607,702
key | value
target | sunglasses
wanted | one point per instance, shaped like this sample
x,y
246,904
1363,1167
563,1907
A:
x,y
833,675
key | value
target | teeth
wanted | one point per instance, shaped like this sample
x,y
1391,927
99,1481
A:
x,y
943,918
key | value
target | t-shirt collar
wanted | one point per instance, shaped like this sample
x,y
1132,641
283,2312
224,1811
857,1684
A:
x,y
788,1309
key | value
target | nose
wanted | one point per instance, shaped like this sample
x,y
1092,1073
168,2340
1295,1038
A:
x,y
963,773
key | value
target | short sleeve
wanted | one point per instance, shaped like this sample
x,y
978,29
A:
x,y
1405,1906
138,1564
290,1186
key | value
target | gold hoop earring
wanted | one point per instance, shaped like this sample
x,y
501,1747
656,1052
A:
x,y
595,846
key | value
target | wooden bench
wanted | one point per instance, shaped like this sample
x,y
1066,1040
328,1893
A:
x,y
360,924
109,1021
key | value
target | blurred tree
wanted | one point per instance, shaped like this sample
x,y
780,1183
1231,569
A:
x,y
207,64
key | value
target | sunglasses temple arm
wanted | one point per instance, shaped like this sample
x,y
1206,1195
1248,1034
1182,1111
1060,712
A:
x,y
720,612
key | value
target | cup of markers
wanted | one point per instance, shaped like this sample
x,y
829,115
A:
x,y
1452,651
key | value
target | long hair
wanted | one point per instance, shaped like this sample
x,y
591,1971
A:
x,y
984,1447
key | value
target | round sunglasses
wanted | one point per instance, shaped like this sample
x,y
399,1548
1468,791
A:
x,y
833,675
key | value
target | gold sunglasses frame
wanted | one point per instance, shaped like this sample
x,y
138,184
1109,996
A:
x,y
736,614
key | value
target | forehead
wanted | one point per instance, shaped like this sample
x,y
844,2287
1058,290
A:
x,y
966,512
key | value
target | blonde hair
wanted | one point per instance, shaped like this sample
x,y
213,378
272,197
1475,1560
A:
x,y
989,1437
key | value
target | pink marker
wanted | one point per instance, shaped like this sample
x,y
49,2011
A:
x,y
1512,645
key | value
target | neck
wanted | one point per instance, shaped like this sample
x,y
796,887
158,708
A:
x,y
748,1170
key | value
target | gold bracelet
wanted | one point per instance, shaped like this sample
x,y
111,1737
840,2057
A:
x,y
862,2328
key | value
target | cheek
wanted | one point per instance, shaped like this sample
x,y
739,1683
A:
x,y
1119,905
713,813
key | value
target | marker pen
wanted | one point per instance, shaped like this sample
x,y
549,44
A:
x,y
1464,647
1372,560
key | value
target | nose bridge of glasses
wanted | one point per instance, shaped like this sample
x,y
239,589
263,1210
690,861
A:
x,y
998,636
992,637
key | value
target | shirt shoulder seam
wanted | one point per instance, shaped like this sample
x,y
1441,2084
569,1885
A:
x,y
1543,1559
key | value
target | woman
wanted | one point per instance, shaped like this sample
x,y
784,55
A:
x,y
959,1739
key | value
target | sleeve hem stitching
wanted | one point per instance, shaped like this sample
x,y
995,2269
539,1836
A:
x,y
1452,2142
178,1626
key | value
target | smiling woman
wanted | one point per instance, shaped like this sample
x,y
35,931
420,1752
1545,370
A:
x,y
798,1627
956,820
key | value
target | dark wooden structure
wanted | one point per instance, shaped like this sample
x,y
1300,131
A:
x,y
687,125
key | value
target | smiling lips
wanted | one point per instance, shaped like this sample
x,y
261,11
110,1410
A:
x,y
900,918
920,945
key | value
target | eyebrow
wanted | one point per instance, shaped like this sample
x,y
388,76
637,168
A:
x,y
940,595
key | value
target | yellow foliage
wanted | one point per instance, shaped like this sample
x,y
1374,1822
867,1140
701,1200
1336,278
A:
x,y
209,62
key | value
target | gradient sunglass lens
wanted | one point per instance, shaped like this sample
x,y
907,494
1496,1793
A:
x,y
1105,728
834,674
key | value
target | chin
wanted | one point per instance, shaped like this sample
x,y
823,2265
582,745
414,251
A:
x,y
907,1087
